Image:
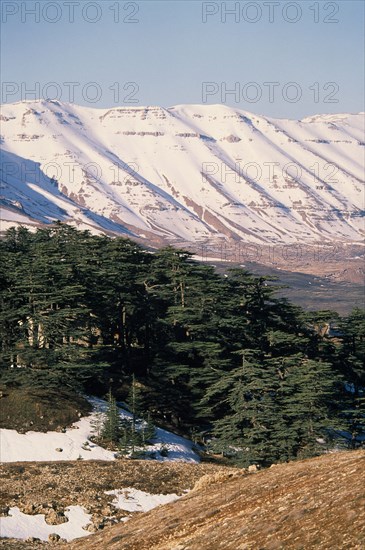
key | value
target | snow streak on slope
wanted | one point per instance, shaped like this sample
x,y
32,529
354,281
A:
x,y
188,173
75,442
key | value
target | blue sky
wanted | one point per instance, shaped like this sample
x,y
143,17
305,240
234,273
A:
x,y
308,56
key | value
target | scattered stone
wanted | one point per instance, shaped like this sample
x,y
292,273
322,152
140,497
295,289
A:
x,y
218,477
91,528
55,518
107,510
59,450
51,504
4,510
252,469
28,509
49,488
53,537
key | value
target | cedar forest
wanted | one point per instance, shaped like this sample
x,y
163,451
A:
x,y
219,358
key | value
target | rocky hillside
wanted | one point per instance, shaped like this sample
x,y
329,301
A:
x,y
317,503
198,173
49,488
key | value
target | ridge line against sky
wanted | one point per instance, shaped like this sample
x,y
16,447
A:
x,y
209,106
281,59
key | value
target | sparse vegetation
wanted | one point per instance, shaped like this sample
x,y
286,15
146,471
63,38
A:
x,y
315,503
25,409
44,487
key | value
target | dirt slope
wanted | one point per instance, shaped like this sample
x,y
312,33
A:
x,y
50,487
316,503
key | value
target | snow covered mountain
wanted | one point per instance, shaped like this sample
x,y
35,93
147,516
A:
x,y
190,173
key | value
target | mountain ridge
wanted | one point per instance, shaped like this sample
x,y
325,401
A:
x,y
188,173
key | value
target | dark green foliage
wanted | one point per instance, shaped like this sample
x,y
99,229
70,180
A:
x,y
112,427
129,435
139,429
219,356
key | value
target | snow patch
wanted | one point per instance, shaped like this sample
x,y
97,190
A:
x,y
21,526
75,442
133,500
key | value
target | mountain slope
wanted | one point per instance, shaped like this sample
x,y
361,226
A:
x,y
188,173
315,503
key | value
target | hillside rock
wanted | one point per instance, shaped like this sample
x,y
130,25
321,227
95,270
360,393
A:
x,y
313,504
190,173
50,487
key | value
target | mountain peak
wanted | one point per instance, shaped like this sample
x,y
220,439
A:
x,y
187,173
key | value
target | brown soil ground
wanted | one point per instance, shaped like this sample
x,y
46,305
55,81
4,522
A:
x,y
312,504
50,487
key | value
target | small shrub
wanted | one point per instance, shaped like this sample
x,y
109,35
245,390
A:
x,y
164,451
